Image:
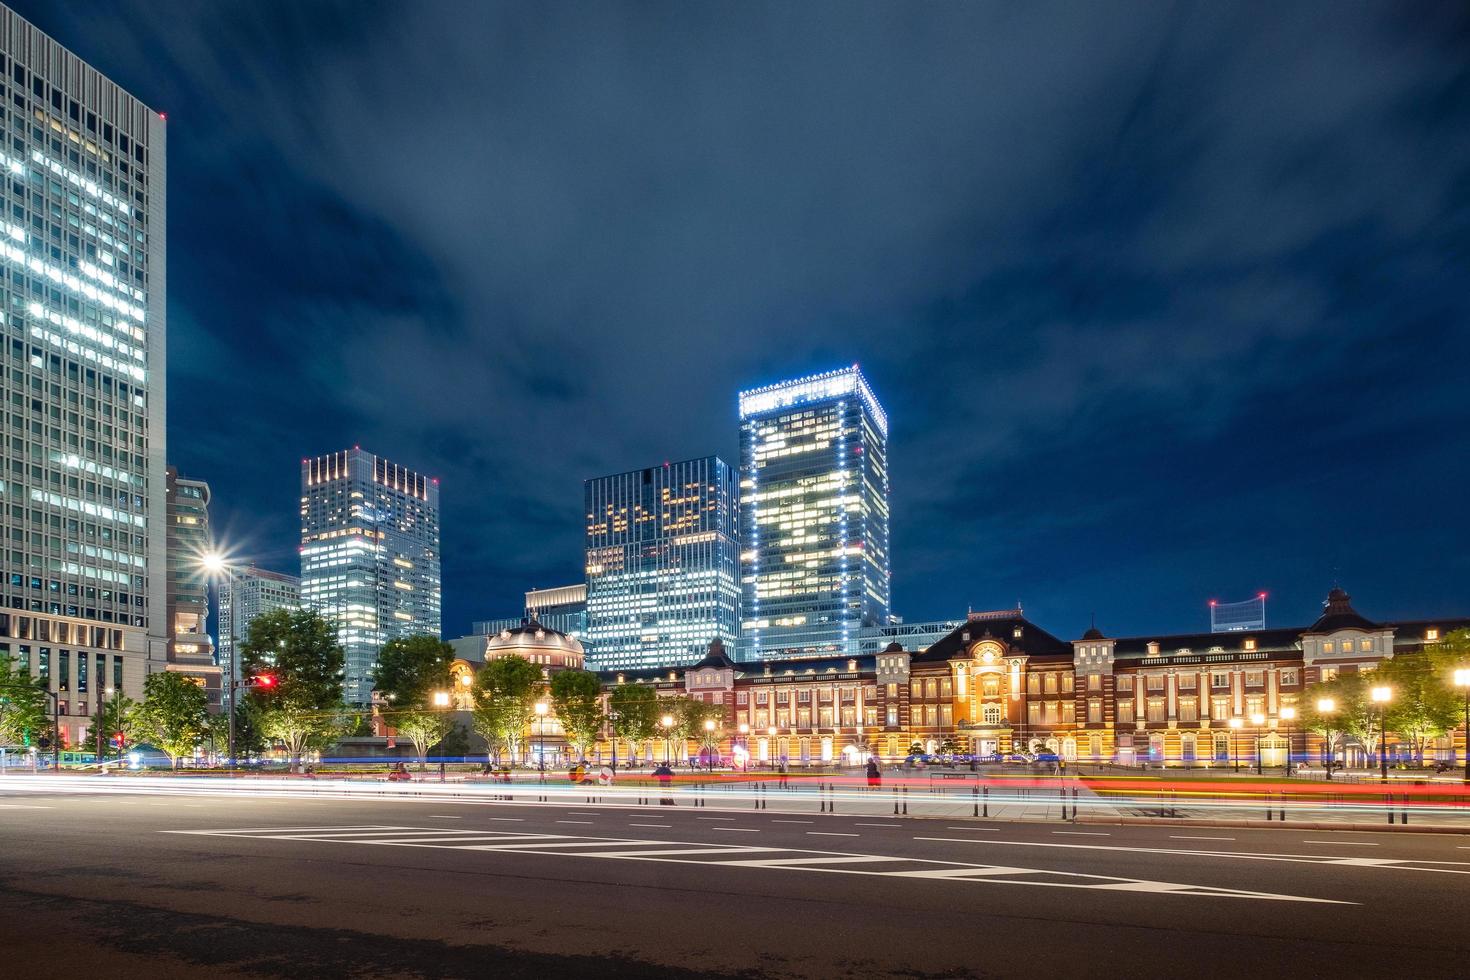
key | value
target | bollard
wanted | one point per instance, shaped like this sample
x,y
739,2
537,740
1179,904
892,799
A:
x,y
1270,809
1074,803
975,800
985,802
1404,814
895,801
1389,800
905,801
831,799
756,794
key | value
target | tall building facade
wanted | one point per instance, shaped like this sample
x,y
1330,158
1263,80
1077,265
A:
x,y
82,278
563,608
244,595
190,648
814,560
369,555
661,563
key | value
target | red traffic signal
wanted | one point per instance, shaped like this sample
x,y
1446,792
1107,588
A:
x,y
263,681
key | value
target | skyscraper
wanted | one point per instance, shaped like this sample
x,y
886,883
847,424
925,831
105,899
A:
x,y
563,608
369,554
245,594
190,649
661,563
813,515
82,245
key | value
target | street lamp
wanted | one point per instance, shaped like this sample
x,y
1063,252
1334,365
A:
x,y
1381,697
745,742
1287,715
1462,681
1258,720
709,750
612,725
771,746
667,722
1235,724
541,709
1327,707
216,564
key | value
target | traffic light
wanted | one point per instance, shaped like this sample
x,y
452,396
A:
x,y
263,682
117,740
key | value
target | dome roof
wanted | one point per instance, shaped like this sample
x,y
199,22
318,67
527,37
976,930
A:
x,y
531,637
1094,634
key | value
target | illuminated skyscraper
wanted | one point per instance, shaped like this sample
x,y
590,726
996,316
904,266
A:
x,y
369,555
82,246
190,649
661,564
813,515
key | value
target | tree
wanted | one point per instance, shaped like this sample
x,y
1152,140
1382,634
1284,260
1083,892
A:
x,y
635,712
576,697
411,670
505,695
690,714
1354,714
1423,705
303,709
24,717
115,717
1452,650
248,738
174,715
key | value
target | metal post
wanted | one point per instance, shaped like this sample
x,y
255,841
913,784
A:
x,y
1467,734
975,799
905,801
985,801
231,683
1382,743
1327,749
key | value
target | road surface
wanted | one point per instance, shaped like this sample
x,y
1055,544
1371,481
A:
x,y
181,885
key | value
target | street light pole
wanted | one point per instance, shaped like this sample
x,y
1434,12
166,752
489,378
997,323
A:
x,y
1381,696
1235,724
1325,708
541,710
1287,715
709,750
1462,681
612,723
1258,720
745,741
667,721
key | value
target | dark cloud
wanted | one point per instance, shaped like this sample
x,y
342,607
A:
x,y
1165,302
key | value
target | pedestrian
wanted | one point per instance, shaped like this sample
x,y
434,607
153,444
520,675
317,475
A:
x,y
783,773
665,777
875,777
605,776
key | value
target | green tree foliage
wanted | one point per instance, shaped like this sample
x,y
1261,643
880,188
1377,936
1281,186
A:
x,y
174,715
114,717
455,743
412,668
636,712
1353,716
303,709
576,698
1424,706
505,694
24,708
248,738
410,671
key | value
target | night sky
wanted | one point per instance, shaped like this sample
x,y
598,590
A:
x,y
1165,303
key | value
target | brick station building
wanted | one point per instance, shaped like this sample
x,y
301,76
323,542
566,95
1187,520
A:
x,y
1001,683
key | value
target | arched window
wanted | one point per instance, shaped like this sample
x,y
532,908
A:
x,y
991,714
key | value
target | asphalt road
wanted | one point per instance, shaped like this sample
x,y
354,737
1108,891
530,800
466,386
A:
x,y
194,885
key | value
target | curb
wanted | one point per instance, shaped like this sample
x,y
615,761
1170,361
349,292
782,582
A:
x,y
1358,828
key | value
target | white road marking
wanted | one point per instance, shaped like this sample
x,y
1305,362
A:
x,y
586,822
444,816
977,830
1082,833
826,833
1347,843
510,819
793,821
776,859
877,825
1182,837
663,825
27,806
739,830
714,818
1395,864
578,814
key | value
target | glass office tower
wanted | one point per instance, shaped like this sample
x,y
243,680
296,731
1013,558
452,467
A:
x,y
82,485
813,515
190,648
369,555
661,564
